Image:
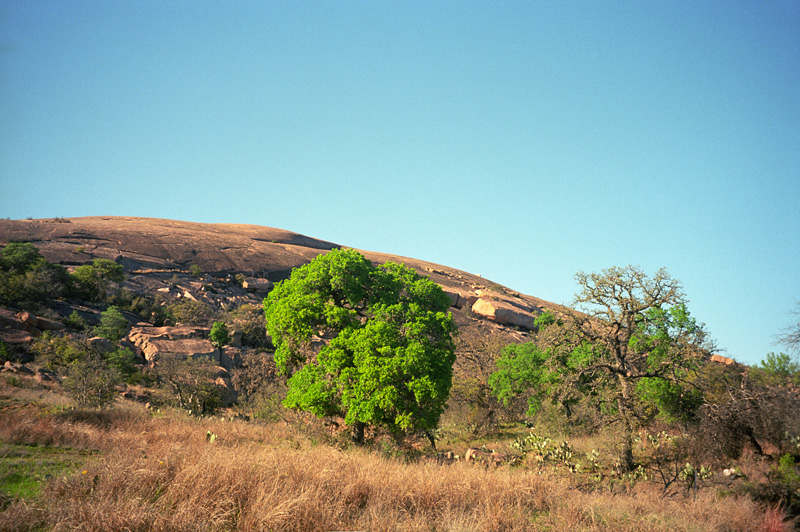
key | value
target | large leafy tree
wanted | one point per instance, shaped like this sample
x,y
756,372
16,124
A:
x,y
371,344
631,341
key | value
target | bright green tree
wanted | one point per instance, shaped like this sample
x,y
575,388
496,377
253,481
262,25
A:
x,y
632,343
219,335
372,344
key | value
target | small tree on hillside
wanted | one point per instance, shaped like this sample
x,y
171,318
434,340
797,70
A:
x,y
91,382
92,280
219,336
370,344
113,325
191,383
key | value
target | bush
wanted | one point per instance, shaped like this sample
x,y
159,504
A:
x,y
75,321
191,384
249,320
92,280
256,377
113,325
91,382
26,279
123,361
192,313
751,417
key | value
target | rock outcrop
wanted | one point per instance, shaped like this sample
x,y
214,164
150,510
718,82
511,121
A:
x,y
505,310
184,342
253,284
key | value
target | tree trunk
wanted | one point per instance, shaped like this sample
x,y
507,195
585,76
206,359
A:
x,y
623,404
358,432
431,439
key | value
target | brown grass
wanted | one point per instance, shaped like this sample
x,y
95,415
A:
x,y
160,473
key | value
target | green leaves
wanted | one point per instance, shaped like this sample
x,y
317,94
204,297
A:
x,y
113,325
523,369
370,344
219,335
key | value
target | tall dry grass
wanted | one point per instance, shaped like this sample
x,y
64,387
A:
x,y
156,473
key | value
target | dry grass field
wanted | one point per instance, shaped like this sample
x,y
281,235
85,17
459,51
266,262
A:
x,y
128,468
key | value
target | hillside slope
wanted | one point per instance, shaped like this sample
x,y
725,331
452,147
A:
x,y
155,252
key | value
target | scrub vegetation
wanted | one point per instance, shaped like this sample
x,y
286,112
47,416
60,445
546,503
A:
x,y
364,409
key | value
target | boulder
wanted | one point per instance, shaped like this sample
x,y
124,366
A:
x,y
503,313
722,360
185,342
42,324
49,325
223,380
456,299
254,284
103,345
471,455
236,339
28,318
22,369
45,375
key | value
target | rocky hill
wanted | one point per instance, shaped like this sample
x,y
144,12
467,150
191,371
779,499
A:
x,y
224,266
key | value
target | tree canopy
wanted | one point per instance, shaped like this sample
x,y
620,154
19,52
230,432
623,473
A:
x,y
631,341
371,344
219,335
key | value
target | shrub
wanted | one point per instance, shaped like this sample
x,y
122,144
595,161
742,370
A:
x,y
249,320
219,335
75,321
191,313
92,280
113,325
191,384
91,382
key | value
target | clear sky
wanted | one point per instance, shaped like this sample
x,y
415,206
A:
x,y
523,141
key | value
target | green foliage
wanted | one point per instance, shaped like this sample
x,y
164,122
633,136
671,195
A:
x,y
123,362
633,347
20,257
75,321
546,319
673,401
113,325
776,369
195,271
26,279
371,344
523,370
56,353
92,280
219,335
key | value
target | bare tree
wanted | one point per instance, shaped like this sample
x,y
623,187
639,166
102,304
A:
x,y
789,337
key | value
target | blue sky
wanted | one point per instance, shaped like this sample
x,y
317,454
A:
x,y
523,141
